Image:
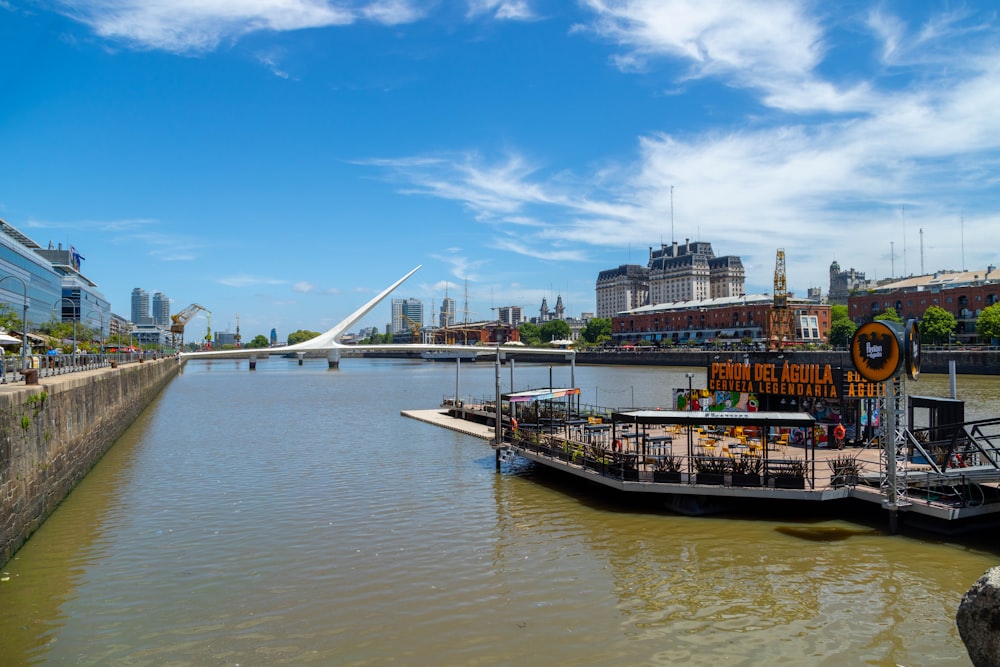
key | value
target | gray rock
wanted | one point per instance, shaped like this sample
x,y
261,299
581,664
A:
x,y
978,620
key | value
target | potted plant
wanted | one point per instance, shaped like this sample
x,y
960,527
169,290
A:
x,y
746,470
845,469
667,469
787,474
711,469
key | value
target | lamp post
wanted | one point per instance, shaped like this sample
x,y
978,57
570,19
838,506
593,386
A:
x,y
24,320
76,313
100,313
690,376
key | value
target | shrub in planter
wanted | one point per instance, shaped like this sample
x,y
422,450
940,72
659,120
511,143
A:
x,y
667,469
712,469
746,471
845,469
787,475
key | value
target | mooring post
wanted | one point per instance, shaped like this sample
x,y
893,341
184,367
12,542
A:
x,y
300,356
253,362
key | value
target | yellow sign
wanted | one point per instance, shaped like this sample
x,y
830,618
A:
x,y
785,379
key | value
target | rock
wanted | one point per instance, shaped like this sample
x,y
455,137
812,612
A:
x,y
978,620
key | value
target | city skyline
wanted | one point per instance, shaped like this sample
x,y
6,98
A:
x,y
286,160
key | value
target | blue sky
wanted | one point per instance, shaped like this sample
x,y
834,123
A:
x,y
286,159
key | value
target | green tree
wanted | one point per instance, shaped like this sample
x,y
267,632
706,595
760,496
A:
x,y
988,323
554,330
936,325
598,330
301,335
841,332
890,315
259,341
9,320
838,312
530,335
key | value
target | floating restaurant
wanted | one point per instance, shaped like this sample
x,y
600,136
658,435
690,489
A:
x,y
769,429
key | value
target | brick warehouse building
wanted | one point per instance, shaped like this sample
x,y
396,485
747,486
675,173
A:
x,y
717,320
964,294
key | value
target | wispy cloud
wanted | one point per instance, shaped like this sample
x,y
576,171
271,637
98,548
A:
x,y
201,25
804,180
514,10
245,280
303,287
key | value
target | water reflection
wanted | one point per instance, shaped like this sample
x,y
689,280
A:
x,y
290,515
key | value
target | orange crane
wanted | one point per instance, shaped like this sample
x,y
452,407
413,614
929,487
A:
x,y
780,330
178,321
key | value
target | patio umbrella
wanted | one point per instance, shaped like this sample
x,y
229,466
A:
x,y
7,339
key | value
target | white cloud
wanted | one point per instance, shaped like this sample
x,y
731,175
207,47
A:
x,y
244,280
200,25
514,10
303,287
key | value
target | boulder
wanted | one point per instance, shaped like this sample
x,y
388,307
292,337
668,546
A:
x,y
978,620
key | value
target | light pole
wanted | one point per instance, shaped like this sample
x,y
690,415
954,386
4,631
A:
x,y
690,376
100,313
76,313
24,320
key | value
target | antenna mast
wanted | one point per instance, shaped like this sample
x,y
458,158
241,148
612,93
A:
x,y
671,215
921,251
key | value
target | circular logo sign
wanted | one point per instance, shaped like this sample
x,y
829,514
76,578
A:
x,y
913,349
875,351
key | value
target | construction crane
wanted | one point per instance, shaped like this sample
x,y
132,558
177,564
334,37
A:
x,y
208,331
178,321
780,329
414,327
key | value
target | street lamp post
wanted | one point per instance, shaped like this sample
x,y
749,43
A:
x,y
690,376
24,320
76,313
101,315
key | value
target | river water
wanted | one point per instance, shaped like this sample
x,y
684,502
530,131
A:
x,y
292,516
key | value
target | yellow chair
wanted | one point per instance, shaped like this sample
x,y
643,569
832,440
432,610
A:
x,y
755,449
726,453
782,442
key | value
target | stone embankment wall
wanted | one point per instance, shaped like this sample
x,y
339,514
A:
x,y
52,434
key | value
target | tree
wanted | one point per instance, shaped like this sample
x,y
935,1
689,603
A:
x,y
841,332
936,325
301,335
9,320
530,335
889,315
259,341
838,312
988,323
554,330
598,330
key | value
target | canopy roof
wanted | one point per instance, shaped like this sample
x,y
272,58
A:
x,y
540,395
701,417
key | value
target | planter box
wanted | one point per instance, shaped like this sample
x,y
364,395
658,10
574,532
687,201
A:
x,y
741,479
787,482
844,480
716,478
667,477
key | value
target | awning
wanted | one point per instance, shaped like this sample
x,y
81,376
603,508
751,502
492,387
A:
x,y
540,395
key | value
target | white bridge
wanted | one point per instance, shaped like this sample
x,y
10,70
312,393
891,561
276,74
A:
x,y
329,341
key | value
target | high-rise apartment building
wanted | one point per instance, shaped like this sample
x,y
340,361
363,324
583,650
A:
x,y
161,309
407,314
510,315
140,307
447,316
